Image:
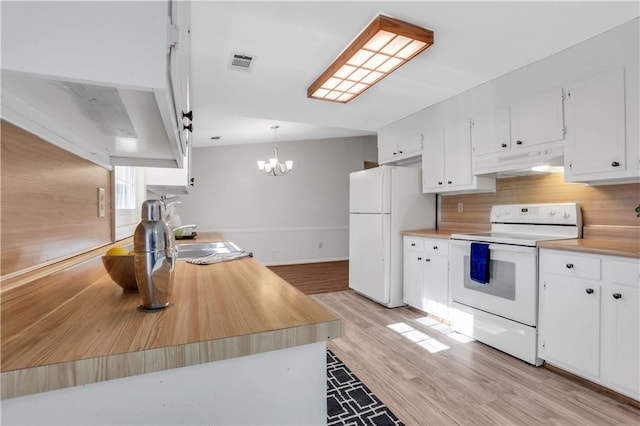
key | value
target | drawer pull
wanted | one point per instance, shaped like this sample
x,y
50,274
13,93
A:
x,y
435,247
427,260
617,296
449,182
518,142
615,164
569,265
589,291
440,183
504,145
413,244
419,258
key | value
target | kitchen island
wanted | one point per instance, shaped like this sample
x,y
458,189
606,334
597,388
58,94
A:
x,y
237,344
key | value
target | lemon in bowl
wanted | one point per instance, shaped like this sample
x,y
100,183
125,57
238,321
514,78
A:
x,y
119,264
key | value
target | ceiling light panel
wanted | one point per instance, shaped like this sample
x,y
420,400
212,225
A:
x,y
383,46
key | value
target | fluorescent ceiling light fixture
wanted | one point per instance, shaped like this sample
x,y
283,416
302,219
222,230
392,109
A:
x,y
383,46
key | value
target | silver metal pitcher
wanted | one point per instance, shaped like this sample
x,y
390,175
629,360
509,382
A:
x,y
155,256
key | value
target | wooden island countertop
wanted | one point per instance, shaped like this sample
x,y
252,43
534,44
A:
x,y
220,311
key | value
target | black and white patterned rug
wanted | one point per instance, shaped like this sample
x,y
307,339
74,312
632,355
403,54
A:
x,y
350,402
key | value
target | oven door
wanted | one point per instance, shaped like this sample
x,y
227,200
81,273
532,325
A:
x,y
512,290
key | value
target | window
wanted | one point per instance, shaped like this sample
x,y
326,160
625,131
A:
x,y
129,193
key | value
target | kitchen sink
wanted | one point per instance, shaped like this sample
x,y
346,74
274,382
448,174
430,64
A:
x,y
187,250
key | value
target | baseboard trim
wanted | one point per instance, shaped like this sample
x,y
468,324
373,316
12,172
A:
x,y
593,386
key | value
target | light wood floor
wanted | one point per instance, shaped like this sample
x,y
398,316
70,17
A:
x,y
428,375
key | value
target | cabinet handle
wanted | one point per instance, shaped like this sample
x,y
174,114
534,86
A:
x,y
395,153
435,247
449,182
617,296
188,127
413,244
427,260
615,164
589,291
440,183
518,142
419,258
401,152
504,145
569,265
188,115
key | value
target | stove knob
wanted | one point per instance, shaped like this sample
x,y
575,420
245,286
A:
x,y
566,215
498,214
552,212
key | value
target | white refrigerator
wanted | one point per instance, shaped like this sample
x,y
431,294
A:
x,y
383,202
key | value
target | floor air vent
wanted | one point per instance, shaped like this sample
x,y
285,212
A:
x,y
241,61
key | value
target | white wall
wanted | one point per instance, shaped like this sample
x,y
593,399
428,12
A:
x,y
280,219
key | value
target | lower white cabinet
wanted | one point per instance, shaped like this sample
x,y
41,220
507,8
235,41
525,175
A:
x,y
426,275
589,317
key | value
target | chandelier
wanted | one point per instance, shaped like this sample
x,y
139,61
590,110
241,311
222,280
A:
x,y
273,166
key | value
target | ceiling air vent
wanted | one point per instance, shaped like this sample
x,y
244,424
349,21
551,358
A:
x,y
241,61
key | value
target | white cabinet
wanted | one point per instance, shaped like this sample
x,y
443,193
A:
x,y
163,181
589,317
528,132
105,80
426,275
596,148
537,119
399,148
490,132
446,162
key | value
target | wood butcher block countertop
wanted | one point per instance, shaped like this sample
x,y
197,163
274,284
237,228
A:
x,y
218,311
603,246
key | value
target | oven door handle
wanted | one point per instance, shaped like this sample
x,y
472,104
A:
x,y
512,248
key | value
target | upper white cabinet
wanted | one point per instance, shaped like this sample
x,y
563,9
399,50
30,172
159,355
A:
x,y
399,148
490,132
589,317
596,148
537,119
526,133
446,161
105,80
174,181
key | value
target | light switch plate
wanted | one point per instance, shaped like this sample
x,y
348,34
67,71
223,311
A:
x,y
101,202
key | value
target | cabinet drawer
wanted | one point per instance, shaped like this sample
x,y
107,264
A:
x,y
618,272
574,266
437,248
413,244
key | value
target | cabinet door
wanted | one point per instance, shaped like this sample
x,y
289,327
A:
x,y
596,133
569,326
387,152
410,145
433,161
413,279
621,326
490,132
538,119
435,291
180,61
457,154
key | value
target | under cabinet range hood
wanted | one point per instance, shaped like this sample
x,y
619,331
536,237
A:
x,y
107,81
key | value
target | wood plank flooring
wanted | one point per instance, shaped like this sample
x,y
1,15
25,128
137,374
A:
x,y
429,375
316,278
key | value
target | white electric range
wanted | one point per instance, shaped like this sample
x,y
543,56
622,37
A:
x,y
501,309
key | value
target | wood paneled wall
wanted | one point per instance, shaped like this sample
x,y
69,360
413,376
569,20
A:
x,y
608,209
49,202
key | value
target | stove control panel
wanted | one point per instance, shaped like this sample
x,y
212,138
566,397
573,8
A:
x,y
545,214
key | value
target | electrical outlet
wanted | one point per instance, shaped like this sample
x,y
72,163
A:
x,y
101,202
320,245
460,207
